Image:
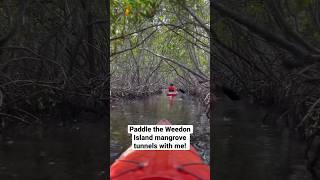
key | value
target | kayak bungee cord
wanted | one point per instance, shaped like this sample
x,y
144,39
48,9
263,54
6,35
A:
x,y
140,165
181,168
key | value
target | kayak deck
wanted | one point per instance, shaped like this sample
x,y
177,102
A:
x,y
160,164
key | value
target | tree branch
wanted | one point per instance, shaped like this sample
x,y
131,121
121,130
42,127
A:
x,y
304,55
178,64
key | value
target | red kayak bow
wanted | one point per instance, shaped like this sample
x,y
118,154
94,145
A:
x,y
160,164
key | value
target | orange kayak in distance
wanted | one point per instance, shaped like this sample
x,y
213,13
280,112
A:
x,y
160,164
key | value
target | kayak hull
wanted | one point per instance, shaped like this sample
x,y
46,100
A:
x,y
160,164
172,93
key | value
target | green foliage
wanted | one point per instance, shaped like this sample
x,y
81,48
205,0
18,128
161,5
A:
x,y
255,8
168,40
222,31
126,12
304,3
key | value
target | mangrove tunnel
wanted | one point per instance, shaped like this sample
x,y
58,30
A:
x,y
74,72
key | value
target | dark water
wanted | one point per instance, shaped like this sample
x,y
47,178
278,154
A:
x,y
186,111
247,149
55,153
244,148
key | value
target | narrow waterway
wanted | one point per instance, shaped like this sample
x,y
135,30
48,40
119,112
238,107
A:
x,y
182,110
245,148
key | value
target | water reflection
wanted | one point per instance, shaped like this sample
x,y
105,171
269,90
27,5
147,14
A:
x,y
181,110
54,153
245,149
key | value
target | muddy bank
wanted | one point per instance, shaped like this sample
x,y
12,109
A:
x,y
52,110
117,94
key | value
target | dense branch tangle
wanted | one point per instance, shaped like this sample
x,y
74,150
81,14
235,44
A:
x,y
160,48
269,50
50,52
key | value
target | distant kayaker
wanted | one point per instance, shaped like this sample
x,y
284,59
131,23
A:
x,y
171,90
